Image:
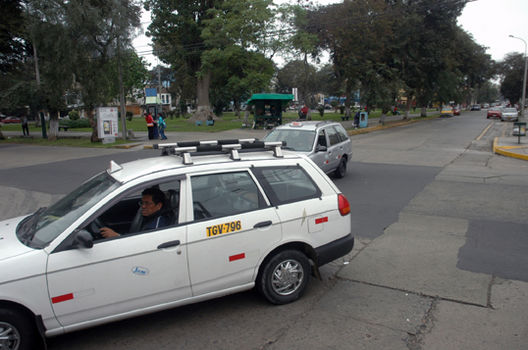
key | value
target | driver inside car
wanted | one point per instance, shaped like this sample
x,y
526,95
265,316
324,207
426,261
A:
x,y
152,201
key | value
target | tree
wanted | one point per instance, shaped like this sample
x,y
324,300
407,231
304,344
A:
x,y
238,74
186,32
298,74
12,38
423,48
358,35
102,29
511,71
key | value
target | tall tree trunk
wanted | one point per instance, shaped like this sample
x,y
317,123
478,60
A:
x,y
93,124
407,107
53,126
203,108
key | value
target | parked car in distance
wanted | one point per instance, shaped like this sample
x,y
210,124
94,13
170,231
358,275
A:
x,y
326,143
11,120
485,105
509,114
235,214
456,110
494,112
447,111
475,107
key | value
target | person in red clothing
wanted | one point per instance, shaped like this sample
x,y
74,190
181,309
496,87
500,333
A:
x,y
304,112
150,125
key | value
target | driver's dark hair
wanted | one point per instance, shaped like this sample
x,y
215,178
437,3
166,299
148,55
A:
x,y
157,195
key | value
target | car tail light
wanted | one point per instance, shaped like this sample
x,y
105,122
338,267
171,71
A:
x,y
344,206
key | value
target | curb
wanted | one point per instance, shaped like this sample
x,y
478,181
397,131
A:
x,y
389,125
504,150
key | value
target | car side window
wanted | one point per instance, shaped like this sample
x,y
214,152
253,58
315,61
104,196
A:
x,y
126,217
287,184
333,137
321,138
217,195
341,133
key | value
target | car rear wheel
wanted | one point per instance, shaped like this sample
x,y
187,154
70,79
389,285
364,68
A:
x,y
341,169
284,277
17,332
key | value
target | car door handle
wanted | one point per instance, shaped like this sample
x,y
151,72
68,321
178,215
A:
x,y
263,224
169,244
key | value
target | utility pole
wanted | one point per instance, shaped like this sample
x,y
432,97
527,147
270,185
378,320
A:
x,y
122,108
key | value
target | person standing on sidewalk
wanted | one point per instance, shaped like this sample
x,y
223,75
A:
x,y
162,125
25,127
150,125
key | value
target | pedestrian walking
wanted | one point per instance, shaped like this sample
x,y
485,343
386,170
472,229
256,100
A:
x,y
150,125
25,127
162,125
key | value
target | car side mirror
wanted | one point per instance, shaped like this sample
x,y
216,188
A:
x,y
83,239
320,148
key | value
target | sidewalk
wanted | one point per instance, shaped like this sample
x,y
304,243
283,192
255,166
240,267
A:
x,y
508,146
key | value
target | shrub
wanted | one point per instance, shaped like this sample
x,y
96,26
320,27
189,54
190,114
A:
x,y
129,116
74,114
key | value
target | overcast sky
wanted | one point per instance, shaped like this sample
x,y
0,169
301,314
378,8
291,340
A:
x,y
489,21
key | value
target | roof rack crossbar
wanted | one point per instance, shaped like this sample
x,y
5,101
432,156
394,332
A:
x,y
185,148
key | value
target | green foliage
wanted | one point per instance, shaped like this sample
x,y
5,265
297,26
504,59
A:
x,y
512,74
194,36
74,123
73,115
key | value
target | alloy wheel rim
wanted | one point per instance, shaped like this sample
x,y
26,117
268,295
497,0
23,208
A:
x,y
9,337
287,277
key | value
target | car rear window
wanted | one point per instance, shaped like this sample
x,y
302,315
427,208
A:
x,y
287,184
296,139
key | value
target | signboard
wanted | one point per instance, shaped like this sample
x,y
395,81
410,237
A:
x,y
107,125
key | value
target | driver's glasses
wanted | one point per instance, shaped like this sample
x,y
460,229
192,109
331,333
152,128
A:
x,y
145,203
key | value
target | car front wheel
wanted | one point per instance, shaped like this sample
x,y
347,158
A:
x,y
284,277
16,331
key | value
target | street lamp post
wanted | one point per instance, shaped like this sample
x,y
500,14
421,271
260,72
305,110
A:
x,y
524,80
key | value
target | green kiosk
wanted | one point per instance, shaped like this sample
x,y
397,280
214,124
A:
x,y
268,108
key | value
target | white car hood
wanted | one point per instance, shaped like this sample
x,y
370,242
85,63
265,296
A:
x,y
10,246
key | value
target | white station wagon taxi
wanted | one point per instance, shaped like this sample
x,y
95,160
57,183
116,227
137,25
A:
x,y
237,214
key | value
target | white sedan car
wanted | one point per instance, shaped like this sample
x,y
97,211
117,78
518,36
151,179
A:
x,y
235,216
509,114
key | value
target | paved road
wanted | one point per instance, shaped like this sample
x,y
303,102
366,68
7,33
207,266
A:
x,y
439,262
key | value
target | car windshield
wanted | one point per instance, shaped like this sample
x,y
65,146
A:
x,y
509,110
297,140
39,229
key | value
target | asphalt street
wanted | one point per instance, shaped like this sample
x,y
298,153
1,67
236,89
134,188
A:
x,y
440,260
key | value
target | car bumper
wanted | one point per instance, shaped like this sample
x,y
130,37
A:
x,y
334,250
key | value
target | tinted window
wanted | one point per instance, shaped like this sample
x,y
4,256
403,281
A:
x,y
287,184
341,133
217,195
332,136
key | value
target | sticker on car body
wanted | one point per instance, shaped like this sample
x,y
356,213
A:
x,y
220,229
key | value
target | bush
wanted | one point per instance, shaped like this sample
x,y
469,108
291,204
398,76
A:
x,y
320,108
73,124
74,115
129,116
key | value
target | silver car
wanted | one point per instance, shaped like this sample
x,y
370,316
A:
x,y
509,114
326,143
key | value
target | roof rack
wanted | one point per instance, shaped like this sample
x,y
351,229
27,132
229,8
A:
x,y
232,146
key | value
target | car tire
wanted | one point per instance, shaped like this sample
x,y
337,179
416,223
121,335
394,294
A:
x,y
341,169
284,277
17,330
